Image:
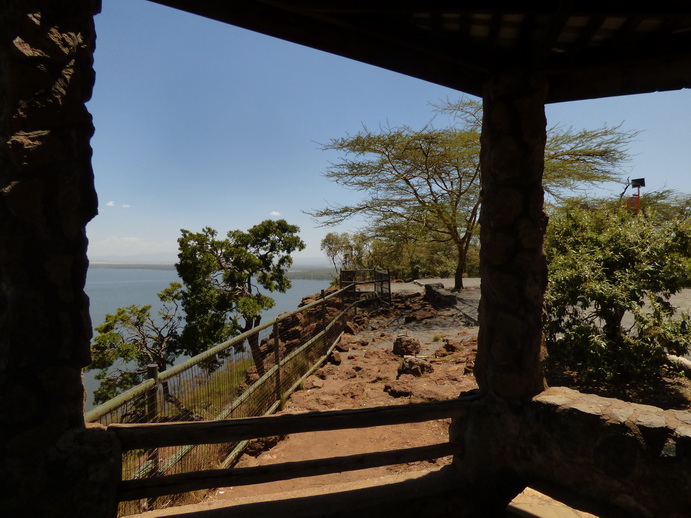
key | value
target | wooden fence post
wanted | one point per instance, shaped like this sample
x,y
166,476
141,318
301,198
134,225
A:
x,y
152,411
277,360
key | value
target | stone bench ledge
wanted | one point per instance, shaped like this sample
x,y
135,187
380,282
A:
x,y
636,457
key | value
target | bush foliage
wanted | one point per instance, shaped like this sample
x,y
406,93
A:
x,y
612,273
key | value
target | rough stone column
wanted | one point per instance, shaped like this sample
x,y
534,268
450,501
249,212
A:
x,y
514,277
47,197
512,262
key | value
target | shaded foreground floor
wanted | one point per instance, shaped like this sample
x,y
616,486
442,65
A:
x,y
414,495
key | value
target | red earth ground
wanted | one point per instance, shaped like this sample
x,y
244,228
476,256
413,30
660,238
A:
x,y
364,373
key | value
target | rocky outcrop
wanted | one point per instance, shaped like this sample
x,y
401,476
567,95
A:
x,y
295,329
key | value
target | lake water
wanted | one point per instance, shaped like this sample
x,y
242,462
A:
x,y
112,288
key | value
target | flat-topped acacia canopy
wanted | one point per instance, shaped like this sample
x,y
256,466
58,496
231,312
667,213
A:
x,y
584,49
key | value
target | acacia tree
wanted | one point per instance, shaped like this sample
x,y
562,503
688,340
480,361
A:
x,y
131,339
606,262
666,205
346,251
428,179
223,279
427,182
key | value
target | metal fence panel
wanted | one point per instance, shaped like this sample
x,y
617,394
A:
x,y
222,383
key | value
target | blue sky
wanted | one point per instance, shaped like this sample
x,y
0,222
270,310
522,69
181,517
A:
x,y
199,124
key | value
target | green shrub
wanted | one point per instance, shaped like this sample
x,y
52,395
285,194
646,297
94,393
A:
x,y
612,272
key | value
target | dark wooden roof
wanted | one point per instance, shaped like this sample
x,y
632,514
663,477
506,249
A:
x,y
586,49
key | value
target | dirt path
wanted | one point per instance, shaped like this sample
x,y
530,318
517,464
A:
x,y
365,373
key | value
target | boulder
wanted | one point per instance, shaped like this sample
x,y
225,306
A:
x,y
256,447
351,328
335,358
450,347
342,347
439,296
406,346
313,383
399,388
415,367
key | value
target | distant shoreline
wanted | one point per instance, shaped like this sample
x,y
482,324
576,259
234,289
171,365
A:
x,y
131,266
305,273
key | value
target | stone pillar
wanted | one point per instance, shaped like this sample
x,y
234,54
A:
x,y
508,367
512,221
47,197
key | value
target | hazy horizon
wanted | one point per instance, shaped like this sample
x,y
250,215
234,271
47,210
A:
x,y
167,260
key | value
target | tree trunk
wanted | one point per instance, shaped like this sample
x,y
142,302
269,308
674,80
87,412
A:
x,y
460,268
253,341
612,327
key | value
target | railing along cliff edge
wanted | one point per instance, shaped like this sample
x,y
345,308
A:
x,y
225,382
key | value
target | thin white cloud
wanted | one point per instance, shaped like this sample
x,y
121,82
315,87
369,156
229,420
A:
x,y
274,213
125,206
110,204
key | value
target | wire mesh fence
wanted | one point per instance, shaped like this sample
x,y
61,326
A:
x,y
375,283
249,375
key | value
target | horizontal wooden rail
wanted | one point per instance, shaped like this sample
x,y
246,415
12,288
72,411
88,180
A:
x,y
157,435
180,483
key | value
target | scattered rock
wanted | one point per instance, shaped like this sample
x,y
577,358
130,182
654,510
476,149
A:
x,y
346,343
421,314
291,345
335,358
256,447
406,346
313,382
325,372
251,375
308,300
351,328
399,388
415,367
354,392
452,346
342,348
348,374
379,355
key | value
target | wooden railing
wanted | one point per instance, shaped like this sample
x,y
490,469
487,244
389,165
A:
x,y
157,435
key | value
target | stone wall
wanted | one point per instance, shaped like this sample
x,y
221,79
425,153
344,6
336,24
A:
x,y
47,197
603,455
